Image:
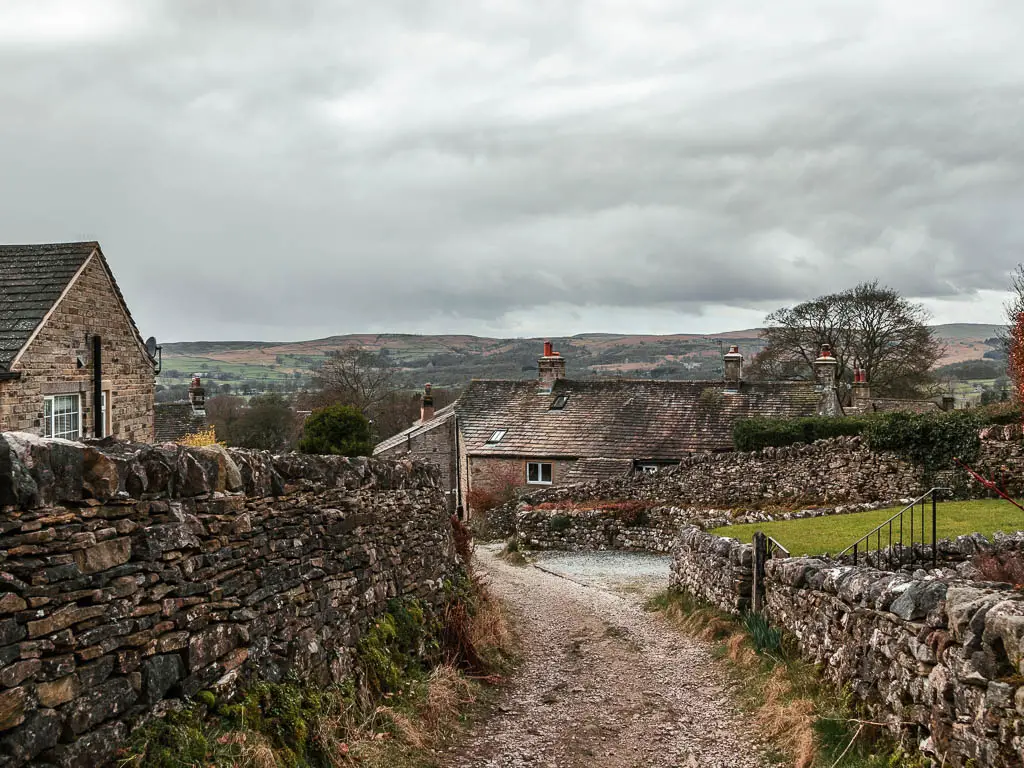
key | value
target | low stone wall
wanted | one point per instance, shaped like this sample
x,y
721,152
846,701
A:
x,y
939,659
652,530
134,576
713,570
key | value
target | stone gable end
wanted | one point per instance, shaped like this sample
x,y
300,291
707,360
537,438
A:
x,y
50,363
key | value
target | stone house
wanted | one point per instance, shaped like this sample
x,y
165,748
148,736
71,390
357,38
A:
x,y
433,439
559,431
72,362
177,420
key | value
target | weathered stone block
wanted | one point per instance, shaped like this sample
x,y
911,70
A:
x,y
159,675
59,691
98,705
104,556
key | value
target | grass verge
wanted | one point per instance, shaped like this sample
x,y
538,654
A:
x,y
420,676
833,533
811,723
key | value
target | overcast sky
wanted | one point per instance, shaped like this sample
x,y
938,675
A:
x,y
280,169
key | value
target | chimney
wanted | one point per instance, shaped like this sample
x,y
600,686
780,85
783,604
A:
x,y
197,395
949,402
550,367
861,390
825,369
733,361
427,405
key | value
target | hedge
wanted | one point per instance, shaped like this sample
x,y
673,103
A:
x,y
929,439
757,433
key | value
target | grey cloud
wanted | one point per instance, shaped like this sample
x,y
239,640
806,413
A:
x,y
334,167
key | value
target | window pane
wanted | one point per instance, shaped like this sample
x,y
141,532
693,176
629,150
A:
x,y
545,473
47,417
532,472
65,417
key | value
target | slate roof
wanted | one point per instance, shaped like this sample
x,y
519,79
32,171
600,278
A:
x,y
589,470
173,421
419,428
653,420
32,279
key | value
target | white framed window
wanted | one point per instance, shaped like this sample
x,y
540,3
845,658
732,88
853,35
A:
x,y
538,473
496,436
62,416
105,413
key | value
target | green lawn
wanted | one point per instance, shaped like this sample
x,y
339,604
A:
x,y
817,535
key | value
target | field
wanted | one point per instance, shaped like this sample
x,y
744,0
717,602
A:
x,y
832,534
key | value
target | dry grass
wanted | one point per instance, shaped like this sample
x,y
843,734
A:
x,y
785,696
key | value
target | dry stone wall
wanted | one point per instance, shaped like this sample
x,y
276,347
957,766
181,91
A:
x,y
829,473
713,569
134,576
938,658
651,530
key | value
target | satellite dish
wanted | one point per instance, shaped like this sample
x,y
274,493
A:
x,y
151,346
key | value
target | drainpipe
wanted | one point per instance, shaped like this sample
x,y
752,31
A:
x,y
97,386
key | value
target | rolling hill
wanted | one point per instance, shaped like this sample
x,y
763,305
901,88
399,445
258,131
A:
x,y
454,360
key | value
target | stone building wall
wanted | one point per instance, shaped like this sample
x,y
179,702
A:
x,y
436,446
49,365
940,660
134,576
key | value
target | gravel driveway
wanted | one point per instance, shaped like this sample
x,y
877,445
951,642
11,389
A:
x,y
603,682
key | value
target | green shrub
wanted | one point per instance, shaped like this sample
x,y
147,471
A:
x,y
1000,414
931,440
765,638
338,430
757,433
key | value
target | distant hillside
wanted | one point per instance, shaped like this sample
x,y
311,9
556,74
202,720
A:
x,y
454,360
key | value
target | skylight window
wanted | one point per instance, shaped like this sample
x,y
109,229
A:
x,y
560,402
496,437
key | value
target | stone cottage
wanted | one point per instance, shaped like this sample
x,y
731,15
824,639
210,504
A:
x,y
177,420
432,439
72,362
559,431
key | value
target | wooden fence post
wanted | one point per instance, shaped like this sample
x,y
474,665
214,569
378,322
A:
x,y
760,556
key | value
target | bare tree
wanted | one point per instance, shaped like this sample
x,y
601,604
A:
x,y
1013,336
355,377
870,327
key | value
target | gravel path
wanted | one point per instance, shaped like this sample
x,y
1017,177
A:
x,y
604,683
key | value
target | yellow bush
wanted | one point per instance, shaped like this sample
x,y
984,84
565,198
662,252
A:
x,y
199,439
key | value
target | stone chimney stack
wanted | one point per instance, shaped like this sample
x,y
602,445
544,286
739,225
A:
x,y
550,367
949,402
197,395
825,369
427,404
733,361
861,390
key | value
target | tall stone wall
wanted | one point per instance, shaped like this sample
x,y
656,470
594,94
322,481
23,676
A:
x,y
827,473
940,660
134,576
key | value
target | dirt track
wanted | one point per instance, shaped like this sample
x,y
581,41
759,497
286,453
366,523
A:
x,y
604,683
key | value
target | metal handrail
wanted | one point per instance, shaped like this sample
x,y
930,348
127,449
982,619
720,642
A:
x,y
877,532
774,546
